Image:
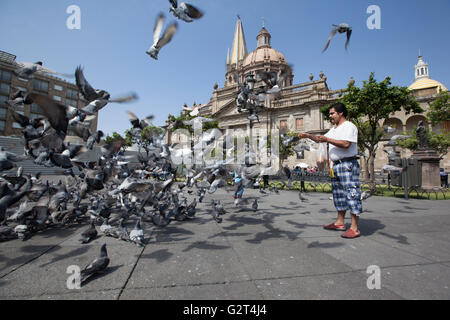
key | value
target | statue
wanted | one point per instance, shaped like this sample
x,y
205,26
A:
x,y
422,136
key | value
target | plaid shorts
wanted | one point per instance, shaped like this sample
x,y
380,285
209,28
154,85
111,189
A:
x,y
346,187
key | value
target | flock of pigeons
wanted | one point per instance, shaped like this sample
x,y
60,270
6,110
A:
x,y
188,13
107,192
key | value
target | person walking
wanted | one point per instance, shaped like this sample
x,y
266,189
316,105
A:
x,y
342,140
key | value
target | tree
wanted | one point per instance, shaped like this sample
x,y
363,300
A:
x,y
145,138
124,142
187,117
440,109
371,105
285,151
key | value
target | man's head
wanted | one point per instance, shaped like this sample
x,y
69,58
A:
x,y
337,113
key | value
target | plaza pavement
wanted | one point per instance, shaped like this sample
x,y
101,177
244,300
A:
x,y
279,252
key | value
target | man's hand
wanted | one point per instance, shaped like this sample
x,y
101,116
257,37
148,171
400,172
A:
x,y
322,139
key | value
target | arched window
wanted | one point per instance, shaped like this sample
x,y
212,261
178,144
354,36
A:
x,y
423,71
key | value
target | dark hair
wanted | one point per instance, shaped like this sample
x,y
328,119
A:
x,y
339,108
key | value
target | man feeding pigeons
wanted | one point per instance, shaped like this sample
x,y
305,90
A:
x,y
342,140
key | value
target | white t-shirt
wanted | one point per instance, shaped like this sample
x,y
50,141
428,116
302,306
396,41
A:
x,y
347,132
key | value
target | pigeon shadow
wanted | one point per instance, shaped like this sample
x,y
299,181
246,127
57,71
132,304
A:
x,y
159,255
282,208
101,275
400,238
229,234
4,282
400,211
38,249
325,245
301,225
422,209
75,252
203,245
21,260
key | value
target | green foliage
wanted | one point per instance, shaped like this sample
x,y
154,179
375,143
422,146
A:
x,y
440,142
124,142
186,117
440,109
284,151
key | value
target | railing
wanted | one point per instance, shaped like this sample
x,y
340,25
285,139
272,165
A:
x,y
321,182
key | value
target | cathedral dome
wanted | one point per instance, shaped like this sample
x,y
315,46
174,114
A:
x,y
425,83
264,54
422,78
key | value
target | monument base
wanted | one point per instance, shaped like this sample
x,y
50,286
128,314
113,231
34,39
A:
x,y
430,160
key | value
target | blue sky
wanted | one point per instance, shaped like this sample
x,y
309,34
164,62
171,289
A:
x,y
114,36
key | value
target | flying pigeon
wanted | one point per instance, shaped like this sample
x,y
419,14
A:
x,y
139,124
27,70
341,28
88,92
185,11
97,266
158,41
366,195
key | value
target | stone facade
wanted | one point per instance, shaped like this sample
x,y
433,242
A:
x,y
298,106
426,91
61,91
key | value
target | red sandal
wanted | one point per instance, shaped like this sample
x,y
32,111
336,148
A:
x,y
350,234
335,227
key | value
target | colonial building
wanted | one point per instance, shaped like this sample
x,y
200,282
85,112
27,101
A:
x,y
297,108
61,91
426,90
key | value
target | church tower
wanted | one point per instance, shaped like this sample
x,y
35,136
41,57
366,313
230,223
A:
x,y
421,69
237,55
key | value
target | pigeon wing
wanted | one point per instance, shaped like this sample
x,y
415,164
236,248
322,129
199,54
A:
x,y
54,112
174,3
97,265
83,85
133,119
158,28
332,34
168,34
125,98
20,119
192,11
349,34
81,130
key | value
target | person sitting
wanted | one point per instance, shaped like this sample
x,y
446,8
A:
x,y
164,171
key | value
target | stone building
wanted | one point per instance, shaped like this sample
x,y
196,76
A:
x,y
426,90
298,106
61,91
